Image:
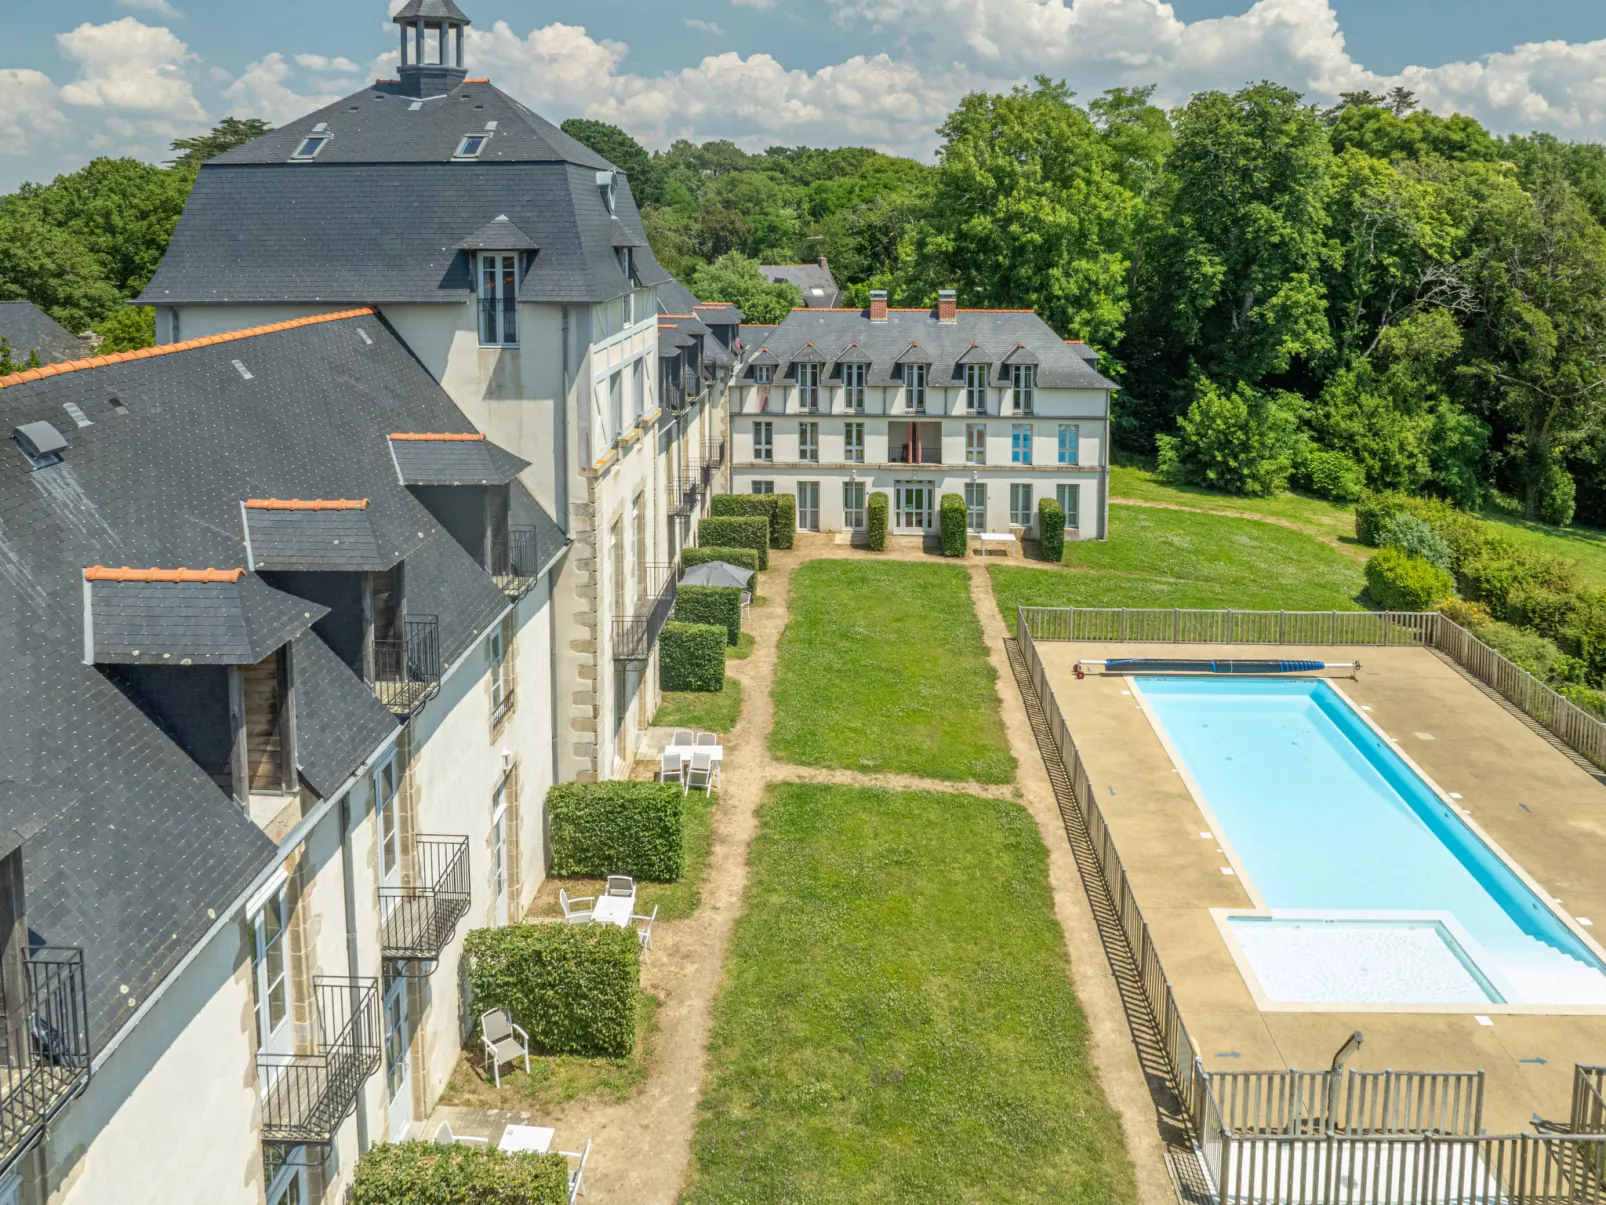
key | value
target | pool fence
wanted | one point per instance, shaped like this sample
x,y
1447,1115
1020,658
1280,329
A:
x,y
1333,1137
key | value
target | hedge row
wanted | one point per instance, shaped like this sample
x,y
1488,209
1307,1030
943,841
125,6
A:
x,y
617,827
952,519
779,509
1399,581
876,518
391,1173
742,558
691,656
735,531
572,987
718,605
1050,530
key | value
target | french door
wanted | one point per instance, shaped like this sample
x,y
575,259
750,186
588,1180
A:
x,y
808,506
398,1064
912,506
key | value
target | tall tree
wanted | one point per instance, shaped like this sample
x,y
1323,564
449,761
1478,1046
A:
x,y
225,136
736,278
624,152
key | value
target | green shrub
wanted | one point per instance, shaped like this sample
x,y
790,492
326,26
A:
x,y
1051,529
718,605
572,987
952,521
783,522
1332,475
1372,513
1243,442
1499,568
876,519
1400,582
1589,699
391,1173
1470,615
779,510
742,558
1540,656
1415,536
737,531
1558,496
1585,633
617,827
1540,609
691,656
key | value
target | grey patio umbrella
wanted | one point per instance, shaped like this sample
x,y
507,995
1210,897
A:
x,y
717,573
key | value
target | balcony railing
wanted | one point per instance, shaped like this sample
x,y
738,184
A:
x,y
407,672
683,494
44,1047
634,634
307,1096
515,562
904,454
418,919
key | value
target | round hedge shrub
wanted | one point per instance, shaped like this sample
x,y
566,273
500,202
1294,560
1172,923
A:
x,y
951,523
876,518
1400,582
691,656
617,827
1051,529
742,558
737,531
1415,536
718,605
455,1174
1333,475
1372,513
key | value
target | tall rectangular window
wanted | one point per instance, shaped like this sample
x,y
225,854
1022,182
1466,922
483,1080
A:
x,y
1069,496
1024,379
499,300
616,404
1020,504
763,441
808,441
853,505
763,378
976,388
975,443
808,506
976,506
501,692
1068,442
1020,443
914,388
270,967
808,388
638,390
853,442
853,388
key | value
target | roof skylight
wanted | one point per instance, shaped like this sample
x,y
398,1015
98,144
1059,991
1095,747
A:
x,y
310,146
471,146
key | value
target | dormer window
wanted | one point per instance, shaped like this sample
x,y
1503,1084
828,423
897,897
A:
x,y
499,300
471,146
1024,383
608,185
310,146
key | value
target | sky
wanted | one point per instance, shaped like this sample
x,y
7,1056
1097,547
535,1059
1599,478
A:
x,y
80,78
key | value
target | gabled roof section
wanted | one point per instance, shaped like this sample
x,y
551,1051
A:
x,y
764,356
1021,354
188,617
623,236
813,280
308,535
456,459
717,354
974,354
808,354
853,354
499,234
28,328
718,313
914,354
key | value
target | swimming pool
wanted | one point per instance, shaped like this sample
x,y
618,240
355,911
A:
x,y
1354,861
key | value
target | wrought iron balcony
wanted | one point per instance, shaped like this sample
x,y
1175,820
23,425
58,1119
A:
x,y
419,917
307,1096
515,562
634,634
44,1047
906,454
682,495
407,673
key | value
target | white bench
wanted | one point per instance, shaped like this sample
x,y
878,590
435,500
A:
x,y
995,539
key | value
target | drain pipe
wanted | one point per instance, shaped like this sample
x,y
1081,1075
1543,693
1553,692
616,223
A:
x,y
1339,1059
560,497
348,876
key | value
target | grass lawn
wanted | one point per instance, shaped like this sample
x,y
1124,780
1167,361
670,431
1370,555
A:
x,y
740,650
711,710
1584,545
898,1023
1170,558
882,668
1330,520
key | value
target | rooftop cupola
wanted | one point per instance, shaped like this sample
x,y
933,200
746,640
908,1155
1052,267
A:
x,y
431,46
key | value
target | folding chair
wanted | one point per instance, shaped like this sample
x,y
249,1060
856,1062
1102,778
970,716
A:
x,y
646,934
577,1176
671,763
621,885
573,914
701,772
504,1042
708,738
445,1137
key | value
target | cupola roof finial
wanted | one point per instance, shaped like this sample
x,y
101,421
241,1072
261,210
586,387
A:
x,y
433,64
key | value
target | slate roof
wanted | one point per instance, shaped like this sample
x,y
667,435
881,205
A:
x,y
137,843
446,459
1000,335
311,540
381,215
218,622
718,313
499,234
429,10
27,328
814,281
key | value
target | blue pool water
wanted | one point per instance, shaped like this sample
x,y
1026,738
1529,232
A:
x,y
1326,818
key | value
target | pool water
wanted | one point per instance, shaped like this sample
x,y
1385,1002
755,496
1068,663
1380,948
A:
x,y
1328,821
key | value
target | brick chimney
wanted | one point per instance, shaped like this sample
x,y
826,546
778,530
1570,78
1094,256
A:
x,y
823,264
947,305
878,305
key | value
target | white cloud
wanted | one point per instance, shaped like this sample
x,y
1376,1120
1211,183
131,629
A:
x,y
263,91
29,114
160,7
709,27
127,67
761,5
318,62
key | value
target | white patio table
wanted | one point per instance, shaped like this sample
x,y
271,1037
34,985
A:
x,y
994,538
526,1138
685,751
613,910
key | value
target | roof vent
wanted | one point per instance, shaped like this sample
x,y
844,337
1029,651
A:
x,y
605,182
41,443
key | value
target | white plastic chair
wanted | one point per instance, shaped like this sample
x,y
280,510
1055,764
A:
x,y
746,601
683,737
646,934
701,772
621,885
708,738
504,1041
577,1176
445,1137
572,912
671,764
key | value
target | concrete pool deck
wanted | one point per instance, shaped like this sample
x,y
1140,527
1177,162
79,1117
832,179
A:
x,y
1543,811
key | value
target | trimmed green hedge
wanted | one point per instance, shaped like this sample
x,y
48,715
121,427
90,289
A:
x,y
1401,582
783,521
951,521
691,656
780,510
572,987
742,558
393,1173
1050,529
617,827
737,531
876,518
718,605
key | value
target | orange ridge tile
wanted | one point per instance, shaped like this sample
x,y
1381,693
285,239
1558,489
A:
x,y
306,504
433,435
102,573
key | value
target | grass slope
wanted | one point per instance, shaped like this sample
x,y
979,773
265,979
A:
x,y
882,668
898,1023
1330,520
1171,558
712,710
